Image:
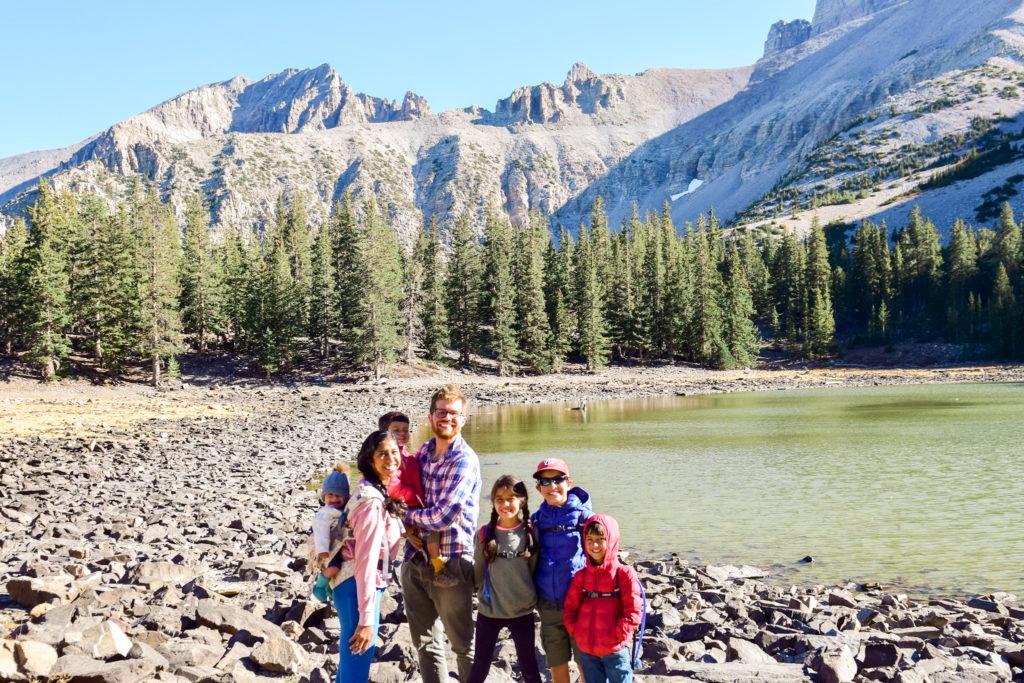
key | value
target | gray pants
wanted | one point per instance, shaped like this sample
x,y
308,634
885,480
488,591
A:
x,y
435,612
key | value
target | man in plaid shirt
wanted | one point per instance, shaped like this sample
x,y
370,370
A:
x,y
451,485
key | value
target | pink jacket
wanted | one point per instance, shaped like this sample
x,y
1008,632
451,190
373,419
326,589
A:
x,y
373,531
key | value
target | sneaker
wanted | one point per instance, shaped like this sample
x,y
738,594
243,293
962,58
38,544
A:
x,y
445,579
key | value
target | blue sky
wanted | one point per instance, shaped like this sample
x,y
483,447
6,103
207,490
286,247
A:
x,y
73,68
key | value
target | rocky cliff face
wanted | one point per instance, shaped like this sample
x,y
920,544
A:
x,y
316,99
784,35
828,14
306,132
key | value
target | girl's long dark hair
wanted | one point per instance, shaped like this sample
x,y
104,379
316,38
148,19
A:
x,y
516,486
395,506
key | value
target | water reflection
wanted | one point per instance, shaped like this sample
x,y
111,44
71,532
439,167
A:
x,y
916,485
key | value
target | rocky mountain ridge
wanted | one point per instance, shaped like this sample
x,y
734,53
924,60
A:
x,y
696,139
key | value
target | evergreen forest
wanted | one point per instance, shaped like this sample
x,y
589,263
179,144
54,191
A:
x,y
132,286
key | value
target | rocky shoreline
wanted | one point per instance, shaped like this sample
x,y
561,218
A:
x,y
171,549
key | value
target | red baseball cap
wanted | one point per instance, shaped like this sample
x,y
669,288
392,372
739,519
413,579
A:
x,y
556,464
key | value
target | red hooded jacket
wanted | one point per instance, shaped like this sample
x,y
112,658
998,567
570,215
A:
x,y
603,625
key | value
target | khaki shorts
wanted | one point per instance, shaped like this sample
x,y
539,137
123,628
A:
x,y
559,646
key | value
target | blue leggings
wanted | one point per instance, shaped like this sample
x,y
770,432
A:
x,y
353,668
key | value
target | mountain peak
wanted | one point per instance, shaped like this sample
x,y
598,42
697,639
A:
x,y
579,73
784,35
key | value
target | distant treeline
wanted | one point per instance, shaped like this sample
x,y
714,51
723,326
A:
x,y
132,284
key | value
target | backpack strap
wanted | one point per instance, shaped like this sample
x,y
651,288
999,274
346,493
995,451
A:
x,y
638,633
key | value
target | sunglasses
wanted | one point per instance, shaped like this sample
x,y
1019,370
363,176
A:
x,y
550,481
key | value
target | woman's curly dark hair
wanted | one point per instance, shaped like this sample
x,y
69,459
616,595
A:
x,y
395,506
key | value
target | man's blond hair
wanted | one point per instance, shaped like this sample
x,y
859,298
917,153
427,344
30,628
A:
x,y
449,392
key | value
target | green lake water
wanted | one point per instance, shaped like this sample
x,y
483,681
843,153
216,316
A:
x,y
917,486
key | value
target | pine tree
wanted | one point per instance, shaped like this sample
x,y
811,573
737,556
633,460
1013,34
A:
x,y
414,272
463,287
557,295
656,333
1002,309
870,278
273,317
434,309
601,248
298,240
757,274
376,337
591,324
820,324
738,330
788,287
531,321
110,306
677,284
626,317
921,274
703,335
13,323
322,296
347,256
236,264
962,268
159,261
820,320
497,303
202,306
47,287
1009,240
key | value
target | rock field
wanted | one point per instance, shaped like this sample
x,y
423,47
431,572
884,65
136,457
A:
x,y
173,550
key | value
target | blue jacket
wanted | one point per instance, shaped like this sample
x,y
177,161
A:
x,y
561,544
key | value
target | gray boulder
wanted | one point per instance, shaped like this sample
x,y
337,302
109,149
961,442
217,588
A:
x,y
280,655
228,618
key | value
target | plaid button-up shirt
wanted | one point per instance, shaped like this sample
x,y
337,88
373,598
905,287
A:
x,y
451,487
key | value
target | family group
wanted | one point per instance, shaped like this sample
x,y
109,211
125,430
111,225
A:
x,y
559,565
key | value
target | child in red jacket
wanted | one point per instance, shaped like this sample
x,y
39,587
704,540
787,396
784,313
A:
x,y
603,606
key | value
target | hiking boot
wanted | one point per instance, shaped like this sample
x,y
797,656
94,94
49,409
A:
x,y
445,579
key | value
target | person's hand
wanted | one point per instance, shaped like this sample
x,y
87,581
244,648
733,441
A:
x,y
330,572
414,538
361,640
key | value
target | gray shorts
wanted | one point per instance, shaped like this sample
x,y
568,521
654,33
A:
x,y
559,646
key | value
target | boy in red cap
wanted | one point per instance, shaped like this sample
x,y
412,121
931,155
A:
x,y
559,524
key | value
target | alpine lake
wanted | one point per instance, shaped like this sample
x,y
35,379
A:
x,y
918,487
